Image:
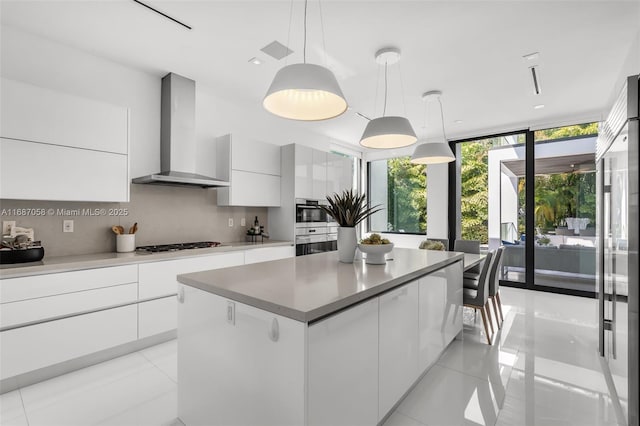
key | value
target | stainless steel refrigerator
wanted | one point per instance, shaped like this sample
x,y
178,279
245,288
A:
x,y
618,225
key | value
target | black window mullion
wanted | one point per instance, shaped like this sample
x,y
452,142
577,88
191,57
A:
x,y
530,200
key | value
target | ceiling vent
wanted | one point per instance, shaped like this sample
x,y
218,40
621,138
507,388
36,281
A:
x,y
535,80
277,50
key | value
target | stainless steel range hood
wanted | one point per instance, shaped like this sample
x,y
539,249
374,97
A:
x,y
178,137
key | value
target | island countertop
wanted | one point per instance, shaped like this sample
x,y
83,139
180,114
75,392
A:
x,y
307,288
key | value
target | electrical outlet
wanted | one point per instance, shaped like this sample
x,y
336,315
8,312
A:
x,y
230,222
7,226
243,222
67,226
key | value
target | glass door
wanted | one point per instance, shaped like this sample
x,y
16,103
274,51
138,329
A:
x,y
564,212
491,187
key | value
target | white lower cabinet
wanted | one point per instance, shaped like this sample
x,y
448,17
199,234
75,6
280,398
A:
x,y
440,299
240,365
157,316
43,308
245,370
159,278
29,348
398,353
269,253
343,367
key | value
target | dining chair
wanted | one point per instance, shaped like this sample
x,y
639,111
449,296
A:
x,y
469,246
494,285
478,298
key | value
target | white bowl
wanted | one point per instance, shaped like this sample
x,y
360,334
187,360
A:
x,y
375,252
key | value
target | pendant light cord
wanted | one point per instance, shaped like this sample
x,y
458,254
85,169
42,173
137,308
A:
x,y
286,59
304,49
384,109
324,44
444,135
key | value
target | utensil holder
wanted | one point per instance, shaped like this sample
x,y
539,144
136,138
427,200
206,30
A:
x,y
125,243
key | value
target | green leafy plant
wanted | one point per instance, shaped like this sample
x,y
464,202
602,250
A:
x,y
432,245
349,209
375,239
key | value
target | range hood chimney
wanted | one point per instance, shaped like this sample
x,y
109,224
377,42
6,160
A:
x,y
178,137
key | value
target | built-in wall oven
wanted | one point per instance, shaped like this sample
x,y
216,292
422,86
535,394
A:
x,y
309,211
313,233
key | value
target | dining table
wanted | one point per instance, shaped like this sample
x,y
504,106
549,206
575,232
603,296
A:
x,y
473,259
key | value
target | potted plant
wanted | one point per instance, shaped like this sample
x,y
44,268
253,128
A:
x,y
348,210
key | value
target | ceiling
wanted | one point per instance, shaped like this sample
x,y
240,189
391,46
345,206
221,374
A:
x,y
472,51
582,163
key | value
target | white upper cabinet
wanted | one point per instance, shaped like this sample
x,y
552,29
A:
x,y
318,173
252,169
339,173
319,185
36,171
57,146
36,114
303,171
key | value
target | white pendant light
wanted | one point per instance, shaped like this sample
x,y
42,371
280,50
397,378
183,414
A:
x,y
306,92
388,131
433,151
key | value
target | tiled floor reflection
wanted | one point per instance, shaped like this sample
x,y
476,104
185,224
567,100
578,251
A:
x,y
543,369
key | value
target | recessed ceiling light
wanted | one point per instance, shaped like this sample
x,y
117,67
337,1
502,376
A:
x,y
458,121
255,61
538,106
532,56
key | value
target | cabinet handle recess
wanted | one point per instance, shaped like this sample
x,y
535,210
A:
x,y
274,332
180,295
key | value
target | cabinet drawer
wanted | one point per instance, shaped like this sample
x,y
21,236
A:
x,y
42,308
29,348
159,278
268,253
157,316
14,289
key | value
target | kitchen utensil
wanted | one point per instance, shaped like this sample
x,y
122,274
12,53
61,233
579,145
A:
x,y
116,229
121,229
134,228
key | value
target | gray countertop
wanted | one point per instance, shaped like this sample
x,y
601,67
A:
x,y
306,288
101,260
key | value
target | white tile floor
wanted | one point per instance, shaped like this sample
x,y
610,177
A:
x,y
543,369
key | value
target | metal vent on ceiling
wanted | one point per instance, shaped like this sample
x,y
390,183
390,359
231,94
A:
x,y
277,50
535,80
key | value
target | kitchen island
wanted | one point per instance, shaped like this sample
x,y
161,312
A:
x,y
311,341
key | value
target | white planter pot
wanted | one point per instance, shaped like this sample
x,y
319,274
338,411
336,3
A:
x,y
347,244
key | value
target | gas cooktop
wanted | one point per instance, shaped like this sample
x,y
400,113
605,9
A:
x,y
177,247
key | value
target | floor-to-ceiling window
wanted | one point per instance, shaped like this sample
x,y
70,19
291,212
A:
x,y
490,203
400,188
565,208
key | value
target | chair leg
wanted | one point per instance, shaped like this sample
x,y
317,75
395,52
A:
x,y
495,312
486,328
487,307
499,305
